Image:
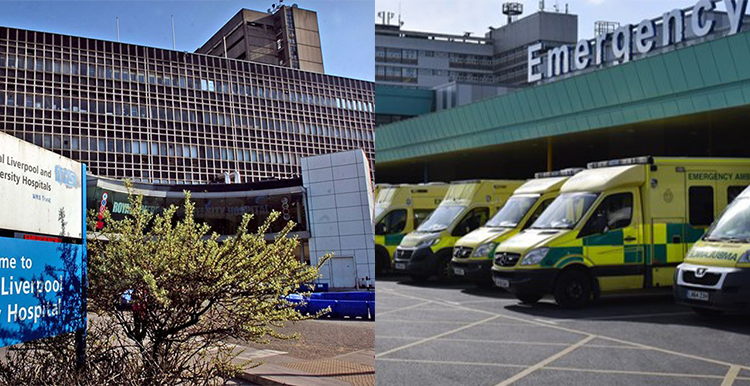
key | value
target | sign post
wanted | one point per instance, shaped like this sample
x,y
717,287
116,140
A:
x,y
81,332
42,244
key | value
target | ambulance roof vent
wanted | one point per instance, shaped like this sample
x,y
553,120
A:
x,y
559,173
646,160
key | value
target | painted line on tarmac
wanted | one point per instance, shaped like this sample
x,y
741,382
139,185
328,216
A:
x,y
561,328
431,362
632,372
616,317
514,342
423,321
568,369
489,301
437,309
396,337
429,339
445,322
511,342
547,361
731,376
380,314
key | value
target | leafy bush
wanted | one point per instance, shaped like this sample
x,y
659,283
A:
x,y
191,292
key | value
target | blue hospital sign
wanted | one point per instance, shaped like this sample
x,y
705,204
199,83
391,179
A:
x,y
43,243
40,289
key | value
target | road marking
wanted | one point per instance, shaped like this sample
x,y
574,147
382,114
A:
x,y
445,322
403,308
731,376
569,369
545,362
422,321
425,340
431,362
489,301
630,372
395,337
604,346
615,317
561,328
545,321
503,342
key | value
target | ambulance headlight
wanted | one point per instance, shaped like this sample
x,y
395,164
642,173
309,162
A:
x,y
428,242
484,250
745,258
535,256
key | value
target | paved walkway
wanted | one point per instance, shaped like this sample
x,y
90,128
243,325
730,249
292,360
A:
x,y
278,368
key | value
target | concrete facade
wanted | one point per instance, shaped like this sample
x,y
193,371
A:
x,y
167,117
340,208
288,37
456,94
425,60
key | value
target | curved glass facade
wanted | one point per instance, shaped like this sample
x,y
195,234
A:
x,y
220,206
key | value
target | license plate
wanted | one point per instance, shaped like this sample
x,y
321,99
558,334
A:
x,y
401,266
502,283
459,271
697,295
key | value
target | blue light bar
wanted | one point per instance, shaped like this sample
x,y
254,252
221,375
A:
x,y
559,173
646,160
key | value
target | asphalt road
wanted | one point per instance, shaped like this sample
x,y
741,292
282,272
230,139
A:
x,y
456,334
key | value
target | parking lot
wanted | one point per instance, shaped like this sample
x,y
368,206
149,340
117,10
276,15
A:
x,y
449,334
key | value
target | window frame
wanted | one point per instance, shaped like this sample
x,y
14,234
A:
x,y
585,229
701,205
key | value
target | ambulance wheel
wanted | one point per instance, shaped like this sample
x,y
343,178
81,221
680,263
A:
x,y
527,298
382,261
573,289
445,270
707,312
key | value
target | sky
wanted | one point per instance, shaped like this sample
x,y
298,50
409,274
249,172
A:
x,y
346,27
476,16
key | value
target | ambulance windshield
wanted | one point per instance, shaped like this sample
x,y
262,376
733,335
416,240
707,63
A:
x,y
566,211
441,218
734,224
379,209
512,212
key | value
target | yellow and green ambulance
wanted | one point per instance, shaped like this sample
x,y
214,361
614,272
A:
x,y
473,253
620,225
427,251
715,276
377,188
399,209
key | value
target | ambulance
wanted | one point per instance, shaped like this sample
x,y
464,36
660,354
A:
x,y
399,209
472,254
427,251
715,276
620,225
377,188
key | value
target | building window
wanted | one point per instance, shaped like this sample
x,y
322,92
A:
x,y
701,205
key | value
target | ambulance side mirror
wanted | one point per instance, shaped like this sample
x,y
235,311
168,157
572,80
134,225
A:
x,y
380,228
